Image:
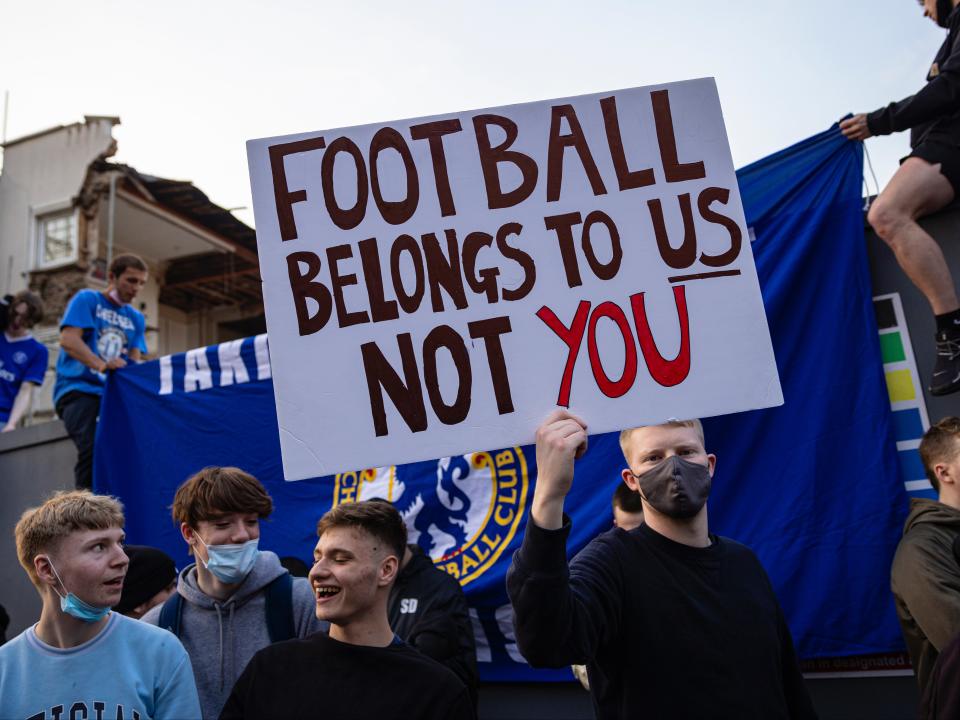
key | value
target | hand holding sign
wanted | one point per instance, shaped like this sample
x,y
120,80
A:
x,y
438,285
560,440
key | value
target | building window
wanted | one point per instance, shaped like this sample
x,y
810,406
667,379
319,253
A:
x,y
56,239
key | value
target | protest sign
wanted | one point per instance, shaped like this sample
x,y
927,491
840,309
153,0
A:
x,y
438,285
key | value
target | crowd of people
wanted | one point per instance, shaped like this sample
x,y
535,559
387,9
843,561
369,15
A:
x,y
669,619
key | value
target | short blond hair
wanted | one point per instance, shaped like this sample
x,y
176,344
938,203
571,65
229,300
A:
x,y
40,529
695,424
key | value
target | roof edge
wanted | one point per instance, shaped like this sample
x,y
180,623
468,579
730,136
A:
x,y
57,128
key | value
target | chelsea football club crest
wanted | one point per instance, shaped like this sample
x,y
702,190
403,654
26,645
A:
x,y
463,513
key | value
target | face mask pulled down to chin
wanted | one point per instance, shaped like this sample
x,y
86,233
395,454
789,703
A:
x,y
676,487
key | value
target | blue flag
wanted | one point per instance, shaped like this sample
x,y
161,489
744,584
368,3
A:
x,y
811,486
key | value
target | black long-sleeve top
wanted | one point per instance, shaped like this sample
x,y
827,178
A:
x,y
666,630
933,113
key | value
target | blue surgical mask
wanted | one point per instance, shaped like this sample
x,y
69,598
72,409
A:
x,y
231,563
72,605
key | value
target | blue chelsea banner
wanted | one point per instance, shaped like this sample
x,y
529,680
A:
x,y
811,486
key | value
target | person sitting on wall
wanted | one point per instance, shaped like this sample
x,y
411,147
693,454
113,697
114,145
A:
x,y
925,576
81,660
679,623
362,669
23,360
100,331
928,179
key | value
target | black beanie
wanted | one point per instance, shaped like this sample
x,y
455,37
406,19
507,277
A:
x,y
150,571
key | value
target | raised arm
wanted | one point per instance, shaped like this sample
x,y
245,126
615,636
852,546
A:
x,y
561,614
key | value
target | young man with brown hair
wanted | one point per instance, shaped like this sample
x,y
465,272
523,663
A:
x,y
925,577
361,669
23,360
81,660
100,331
671,620
236,599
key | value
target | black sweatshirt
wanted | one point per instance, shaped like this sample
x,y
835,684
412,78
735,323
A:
x,y
934,112
428,609
319,677
666,630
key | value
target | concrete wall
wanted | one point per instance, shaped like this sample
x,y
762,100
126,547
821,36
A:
x,y
34,462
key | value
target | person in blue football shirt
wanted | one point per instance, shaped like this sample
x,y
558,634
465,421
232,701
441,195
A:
x,y
81,660
100,331
23,360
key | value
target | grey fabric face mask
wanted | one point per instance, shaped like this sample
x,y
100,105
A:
x,y
676,487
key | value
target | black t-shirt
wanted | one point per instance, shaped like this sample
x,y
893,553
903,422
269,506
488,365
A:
x,y
318,676
666,630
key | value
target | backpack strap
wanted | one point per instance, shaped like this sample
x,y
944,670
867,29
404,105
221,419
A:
x,y
279,609
170,613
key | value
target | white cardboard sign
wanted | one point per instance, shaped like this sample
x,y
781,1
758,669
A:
x,y
438,285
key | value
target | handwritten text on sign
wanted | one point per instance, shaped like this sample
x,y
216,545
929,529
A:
x,y
435,286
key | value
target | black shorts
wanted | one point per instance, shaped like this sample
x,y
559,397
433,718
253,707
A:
x,y
946,155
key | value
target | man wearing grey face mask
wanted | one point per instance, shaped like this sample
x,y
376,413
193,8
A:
x,y
671,620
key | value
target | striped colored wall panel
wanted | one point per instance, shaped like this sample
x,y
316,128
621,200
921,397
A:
x,y
904,386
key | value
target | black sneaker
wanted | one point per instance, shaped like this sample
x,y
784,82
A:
x,y
946,371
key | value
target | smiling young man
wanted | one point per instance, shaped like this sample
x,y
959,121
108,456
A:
x,y
671,620
100,331
361,669
81,660
236,598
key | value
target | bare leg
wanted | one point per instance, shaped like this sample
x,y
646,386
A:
x,y
915,190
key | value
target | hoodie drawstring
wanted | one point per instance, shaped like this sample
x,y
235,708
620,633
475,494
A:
x,y
233,653
216,606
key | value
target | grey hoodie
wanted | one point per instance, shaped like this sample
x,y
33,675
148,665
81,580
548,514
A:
x,y
221,637
925,580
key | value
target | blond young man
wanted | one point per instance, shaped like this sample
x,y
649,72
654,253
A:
x,y
224,603
81,660
671,620
361,669
925,576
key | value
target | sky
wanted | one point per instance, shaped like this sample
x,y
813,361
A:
x,y
193,81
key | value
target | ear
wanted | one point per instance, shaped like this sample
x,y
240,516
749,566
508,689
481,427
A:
x,y
388,570
942,471
630,480
44,571
711,463
189,536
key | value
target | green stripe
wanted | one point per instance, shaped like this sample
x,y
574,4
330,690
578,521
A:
x,y
891,348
